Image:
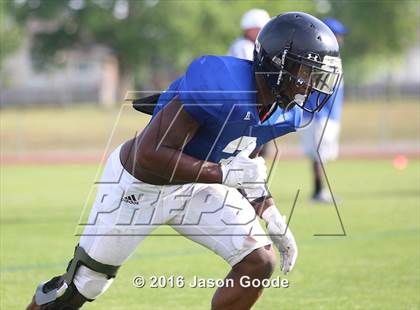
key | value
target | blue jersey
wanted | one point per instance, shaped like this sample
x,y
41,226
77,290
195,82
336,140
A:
x,y
219,92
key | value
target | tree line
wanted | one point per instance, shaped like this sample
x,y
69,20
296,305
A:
x,y
148,34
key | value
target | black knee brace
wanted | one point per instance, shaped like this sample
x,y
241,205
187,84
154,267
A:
x,y
60,293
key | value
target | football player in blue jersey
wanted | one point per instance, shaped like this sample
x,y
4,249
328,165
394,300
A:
x,y
195,167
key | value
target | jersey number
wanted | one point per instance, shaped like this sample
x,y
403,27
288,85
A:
x,y
236,145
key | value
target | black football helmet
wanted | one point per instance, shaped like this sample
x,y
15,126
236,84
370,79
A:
x,y
297,54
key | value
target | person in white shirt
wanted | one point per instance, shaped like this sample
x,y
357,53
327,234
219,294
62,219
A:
x,y
251,24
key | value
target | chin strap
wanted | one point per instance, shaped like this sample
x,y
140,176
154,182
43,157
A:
x,y
267,114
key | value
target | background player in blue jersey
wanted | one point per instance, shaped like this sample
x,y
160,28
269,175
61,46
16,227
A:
x,y
328,118
195,166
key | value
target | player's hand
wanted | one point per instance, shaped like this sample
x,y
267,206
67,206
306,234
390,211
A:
x,y
242,169
282,237
253,191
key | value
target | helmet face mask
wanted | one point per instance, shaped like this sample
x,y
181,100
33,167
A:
x,y
295,64
311,76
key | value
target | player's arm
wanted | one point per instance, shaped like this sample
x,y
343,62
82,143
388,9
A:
x,y
281,235
278,231
160,149
160,158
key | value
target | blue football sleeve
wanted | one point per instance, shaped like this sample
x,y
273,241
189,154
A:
x,y
200,93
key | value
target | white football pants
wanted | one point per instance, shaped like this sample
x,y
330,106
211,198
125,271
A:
x,y
126,210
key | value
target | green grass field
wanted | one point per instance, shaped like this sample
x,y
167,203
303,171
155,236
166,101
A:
x,y
376,266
